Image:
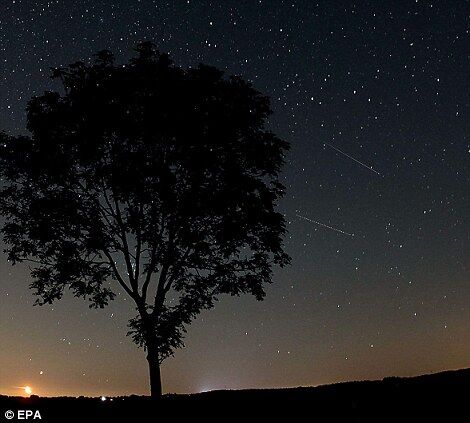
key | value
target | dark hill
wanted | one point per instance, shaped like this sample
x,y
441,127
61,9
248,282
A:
x,y
435,397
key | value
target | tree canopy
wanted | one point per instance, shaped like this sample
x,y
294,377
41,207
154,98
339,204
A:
x,y
160,180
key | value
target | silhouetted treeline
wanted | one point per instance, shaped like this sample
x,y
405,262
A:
x,y
436,397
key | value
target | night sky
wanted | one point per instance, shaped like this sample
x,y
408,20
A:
x,y
375,101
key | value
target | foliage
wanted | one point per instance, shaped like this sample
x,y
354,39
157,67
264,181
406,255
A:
x,y
156,178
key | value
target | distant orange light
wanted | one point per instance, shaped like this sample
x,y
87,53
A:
x,y
28,390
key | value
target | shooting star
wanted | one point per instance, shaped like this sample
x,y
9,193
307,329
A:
x,y
350,157
325,226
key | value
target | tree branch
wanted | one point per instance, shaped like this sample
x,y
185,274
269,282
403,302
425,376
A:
x,y
139,243
176,268
153,259
118,275
125,249
160,293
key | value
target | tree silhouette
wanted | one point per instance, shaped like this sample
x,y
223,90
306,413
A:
x,y
151,177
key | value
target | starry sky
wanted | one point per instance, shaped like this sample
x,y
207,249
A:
x,y
374,98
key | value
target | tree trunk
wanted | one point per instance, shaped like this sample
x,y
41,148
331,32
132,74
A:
x,y
153,356
155,376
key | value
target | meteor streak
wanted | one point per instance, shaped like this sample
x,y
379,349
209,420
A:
x,y
325,226
352,158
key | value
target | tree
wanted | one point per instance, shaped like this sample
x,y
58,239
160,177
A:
x,y
150,178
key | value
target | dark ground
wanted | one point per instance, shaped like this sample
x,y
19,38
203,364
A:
x,y
443,397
